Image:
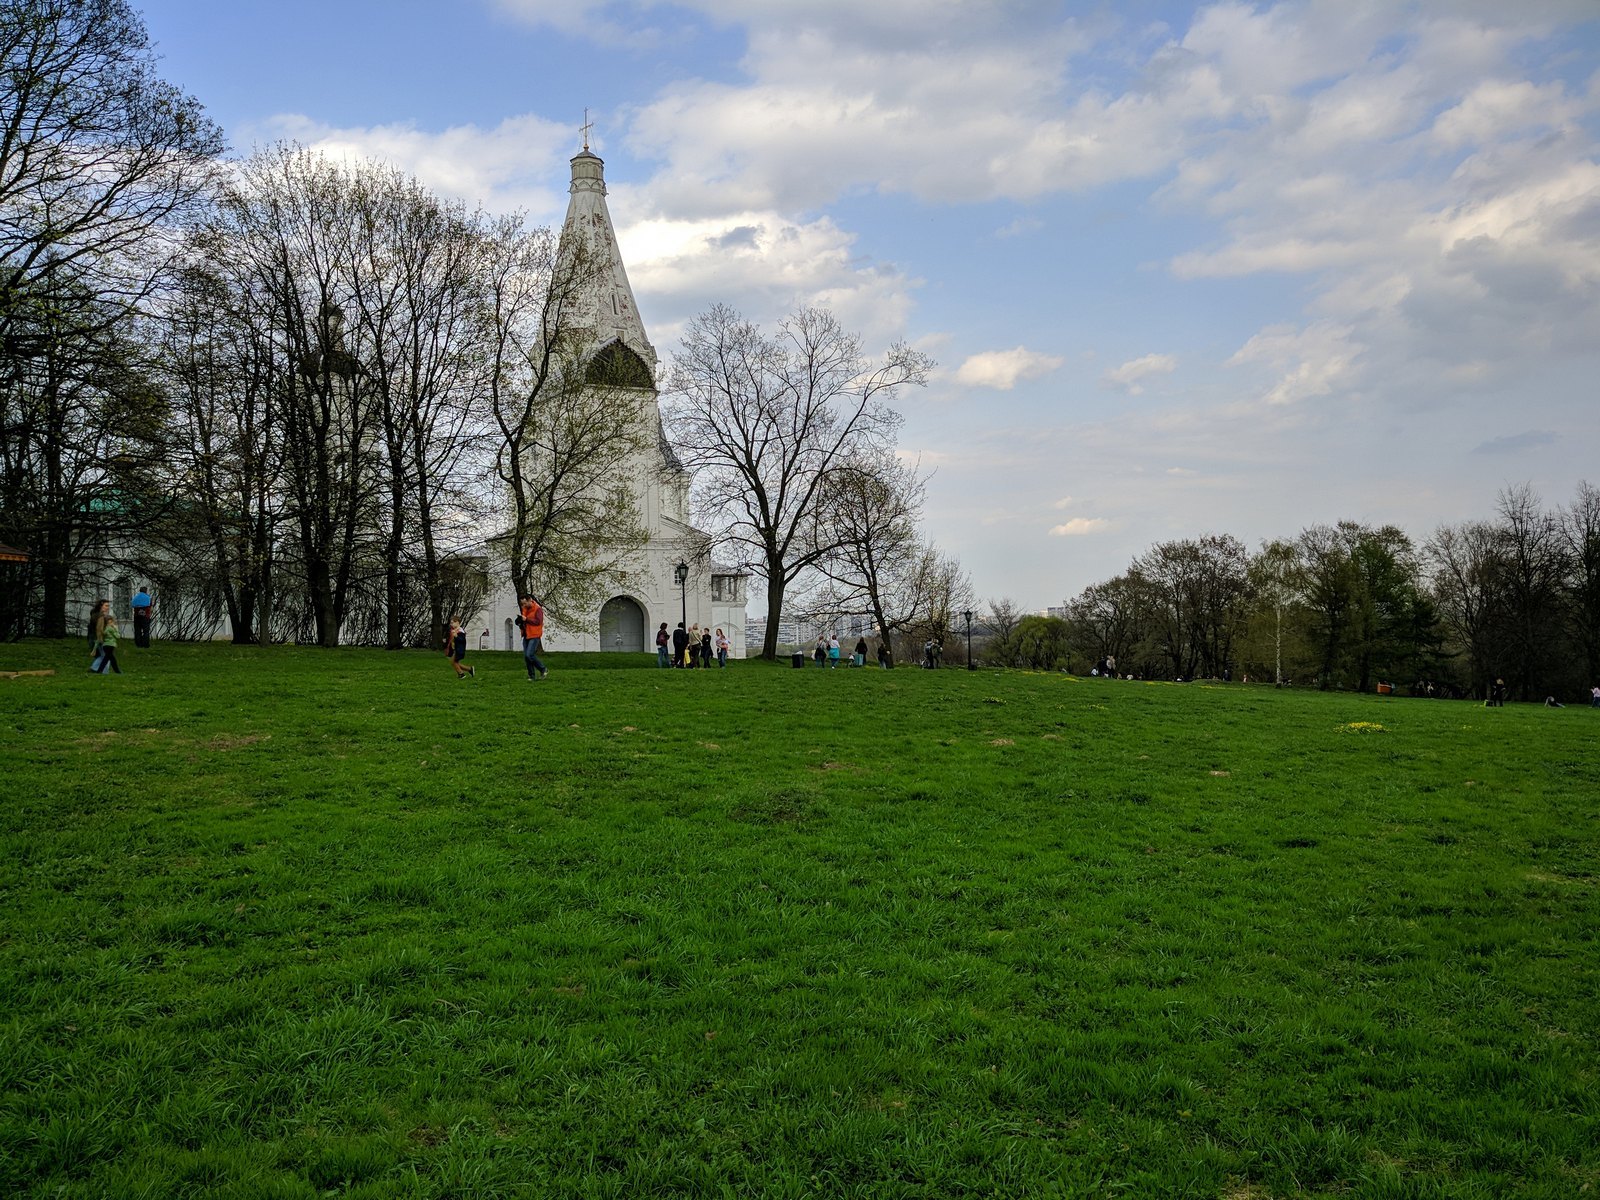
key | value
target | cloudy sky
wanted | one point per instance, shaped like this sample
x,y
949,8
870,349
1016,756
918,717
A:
x,y
1186,268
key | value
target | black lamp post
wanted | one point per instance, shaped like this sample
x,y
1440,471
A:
x,y
681,574
967,616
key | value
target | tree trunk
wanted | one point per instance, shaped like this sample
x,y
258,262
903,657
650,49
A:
x,y
53,579
769,641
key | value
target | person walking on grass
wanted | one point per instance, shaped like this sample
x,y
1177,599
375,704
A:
x,y
680,643
821,652
141,604
456,648
723,646
532,615
108,646
833,651
97,624
663,646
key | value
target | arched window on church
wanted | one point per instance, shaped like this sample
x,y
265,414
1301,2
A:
x,y
617,366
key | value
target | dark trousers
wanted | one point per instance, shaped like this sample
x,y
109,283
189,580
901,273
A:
x,y
530,654
108,661
141,630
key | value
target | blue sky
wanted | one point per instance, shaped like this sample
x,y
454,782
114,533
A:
x,y
1186,268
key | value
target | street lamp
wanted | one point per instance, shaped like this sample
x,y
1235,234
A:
x,y
681,574
967,615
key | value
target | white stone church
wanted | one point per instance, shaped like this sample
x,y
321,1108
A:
x,y
710,595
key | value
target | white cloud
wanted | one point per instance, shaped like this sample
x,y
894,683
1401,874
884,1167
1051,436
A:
x,y
1308,362
764,263
1019,227
520,163
1126,377
1421,180
1080,526
1004,369
1499,108
1064,502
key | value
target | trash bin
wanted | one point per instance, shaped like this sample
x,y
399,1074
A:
x,y
798,659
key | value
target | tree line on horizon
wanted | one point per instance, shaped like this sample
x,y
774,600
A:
x,y
1515,597
292,394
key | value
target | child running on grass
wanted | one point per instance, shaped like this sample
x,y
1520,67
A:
x,y
456,647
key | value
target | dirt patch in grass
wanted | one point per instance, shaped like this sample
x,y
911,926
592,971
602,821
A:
x,y
236,741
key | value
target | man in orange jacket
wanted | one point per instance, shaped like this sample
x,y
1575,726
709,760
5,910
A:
x,y
533,637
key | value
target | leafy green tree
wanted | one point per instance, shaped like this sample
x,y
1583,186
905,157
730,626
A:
x,y
1278,582
1041,643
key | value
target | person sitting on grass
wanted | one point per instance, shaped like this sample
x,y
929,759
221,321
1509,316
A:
x,y
456,648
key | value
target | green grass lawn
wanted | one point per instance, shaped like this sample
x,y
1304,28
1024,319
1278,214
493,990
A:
x,y
296,923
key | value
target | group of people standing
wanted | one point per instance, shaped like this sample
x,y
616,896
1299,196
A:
x,y
828,653
104,632
692,647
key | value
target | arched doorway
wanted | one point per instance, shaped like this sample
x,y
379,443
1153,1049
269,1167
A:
x,y
622,626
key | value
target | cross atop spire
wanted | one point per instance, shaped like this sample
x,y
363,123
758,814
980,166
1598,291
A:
x,y
585,128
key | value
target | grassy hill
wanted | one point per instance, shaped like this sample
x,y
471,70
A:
x,y
293,923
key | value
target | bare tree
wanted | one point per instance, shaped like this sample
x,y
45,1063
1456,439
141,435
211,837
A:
x,y
414,276
100,161
1201,586
1111,619
286,222
98,158
1002,616
1535,570
938,590
870,508
767,421
220,369
1467,569
1580,531
81,427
